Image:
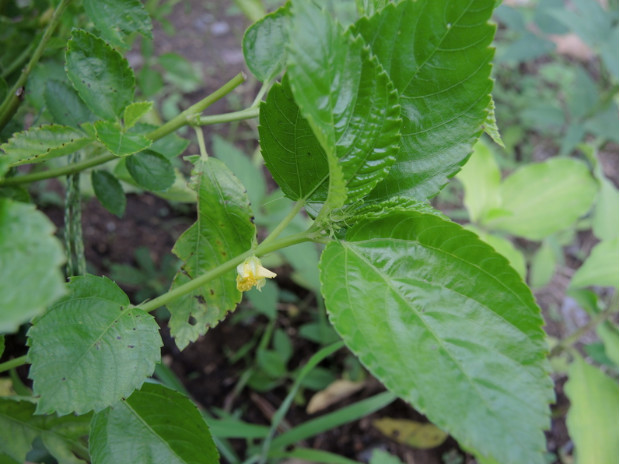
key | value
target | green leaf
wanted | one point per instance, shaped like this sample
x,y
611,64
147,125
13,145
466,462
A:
x,y
166,425
600,268
438,55
109,192
490,125
91,349
135,111
118,141
480,178
264,44
608,333
504,247
605,218
250,175
180,72
426,306
347,98
544,198
30,260
118,20
222,231
19,427
543,266
65,104
100,74
291,152
151,170
592,419
43,143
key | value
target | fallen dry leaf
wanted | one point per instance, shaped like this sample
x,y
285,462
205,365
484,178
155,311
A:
x,y
411,433
335,392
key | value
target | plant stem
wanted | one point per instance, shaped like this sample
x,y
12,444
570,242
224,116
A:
x,y
11,101
285,222
13,363
573,338
191,112
172,125
248,113
229,265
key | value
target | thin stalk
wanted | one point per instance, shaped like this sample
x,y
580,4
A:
x,y
286,404
248,113
191,112
13,363
284,223
581,331
229,265
260,94
12,99
201,143
17,62
171,126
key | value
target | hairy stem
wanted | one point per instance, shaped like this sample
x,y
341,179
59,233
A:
x,y
248,113
171,126
74,243
13,98
13,363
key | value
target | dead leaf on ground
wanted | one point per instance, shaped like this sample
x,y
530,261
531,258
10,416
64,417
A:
x,y
411,433
335,392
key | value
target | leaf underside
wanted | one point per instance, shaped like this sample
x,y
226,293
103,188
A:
x,y
444,322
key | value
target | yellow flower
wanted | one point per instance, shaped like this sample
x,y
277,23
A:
x,y
251,273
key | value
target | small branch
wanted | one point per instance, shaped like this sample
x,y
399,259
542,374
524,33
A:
x,y
248,113
183,118
172,125
13,98
13,363
284,223
573,338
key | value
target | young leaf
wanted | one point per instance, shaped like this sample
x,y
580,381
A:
x,y
151,170
437,53
65,104
118,20
490,125
346,96
19,422
135,111
166,424
544,198
223,230
30,259
42,143
480,178
426,306
264,44
109,192
592,419
91,349
118,141
601,267
100,74
605,218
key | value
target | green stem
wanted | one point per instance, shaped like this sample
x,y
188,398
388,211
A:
x,y
17,62
172,125
285,222
229,265
191,112
201,143
13,363
11,101
248,113
581,331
